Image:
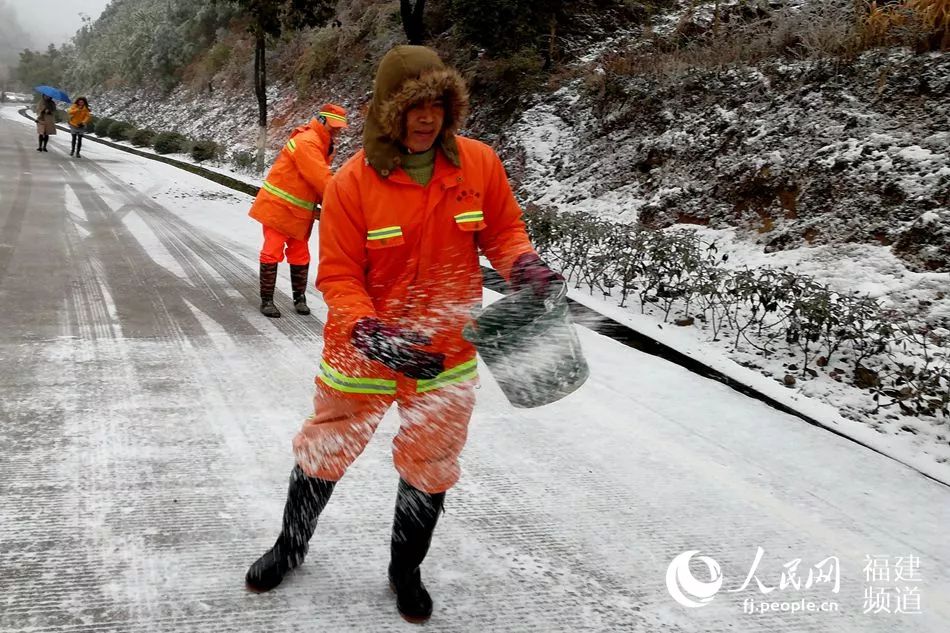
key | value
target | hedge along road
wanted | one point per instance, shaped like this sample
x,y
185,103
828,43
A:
x,y
736,378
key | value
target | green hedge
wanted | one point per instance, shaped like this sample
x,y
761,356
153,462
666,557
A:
x,y
244,159
171,143
142,138
103,125
849,337
205,150
119,130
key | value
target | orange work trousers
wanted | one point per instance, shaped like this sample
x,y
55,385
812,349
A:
x,y
275,243
433,430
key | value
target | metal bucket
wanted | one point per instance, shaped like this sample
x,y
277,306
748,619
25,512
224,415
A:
x,y
530,347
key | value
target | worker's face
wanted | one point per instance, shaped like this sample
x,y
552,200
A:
x,y
334,133
423,125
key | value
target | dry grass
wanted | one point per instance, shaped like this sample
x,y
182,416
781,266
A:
x,y
935,15
819,30
923,24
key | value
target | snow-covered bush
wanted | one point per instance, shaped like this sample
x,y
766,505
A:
x,y
904,364
244,159
120,130
103,125
205,150
171,143
143,138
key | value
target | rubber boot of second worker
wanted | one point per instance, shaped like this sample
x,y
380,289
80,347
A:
x,y
298,283
268,283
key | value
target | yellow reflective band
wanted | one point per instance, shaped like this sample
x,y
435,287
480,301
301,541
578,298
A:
x,y
470,216
292,145
460,373
384,233
289,197
349,384
335,117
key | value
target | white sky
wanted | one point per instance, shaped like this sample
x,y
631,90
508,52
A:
x,y
54,22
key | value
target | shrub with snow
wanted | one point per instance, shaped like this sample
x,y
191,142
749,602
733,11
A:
x,y
171,143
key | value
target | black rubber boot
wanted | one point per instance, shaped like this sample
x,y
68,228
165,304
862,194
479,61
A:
x,y
298,283
268,282
306,498
45,142
416,515
78,146
72,148
39,147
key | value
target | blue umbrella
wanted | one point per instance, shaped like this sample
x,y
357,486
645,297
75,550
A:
x,y
54,93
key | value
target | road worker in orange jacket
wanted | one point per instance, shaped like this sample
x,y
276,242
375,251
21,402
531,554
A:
x,y
288,202
402,226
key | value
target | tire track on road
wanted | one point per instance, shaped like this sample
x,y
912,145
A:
x,y
128,272
191,247
10,231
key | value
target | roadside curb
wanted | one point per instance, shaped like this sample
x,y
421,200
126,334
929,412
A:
x,y
585,316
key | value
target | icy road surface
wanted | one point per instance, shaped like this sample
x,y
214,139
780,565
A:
x,y
147,410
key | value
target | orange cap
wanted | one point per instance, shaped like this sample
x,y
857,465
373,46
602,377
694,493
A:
x,y
334,114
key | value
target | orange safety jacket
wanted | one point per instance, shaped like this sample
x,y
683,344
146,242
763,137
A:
x,y
287,201
409,255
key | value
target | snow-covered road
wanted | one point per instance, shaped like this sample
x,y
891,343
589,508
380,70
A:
x,y
146,413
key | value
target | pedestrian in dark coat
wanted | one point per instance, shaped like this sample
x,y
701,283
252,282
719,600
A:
x,y
45,121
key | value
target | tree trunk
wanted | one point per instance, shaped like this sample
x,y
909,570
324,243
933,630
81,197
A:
x,y
412,22
260,89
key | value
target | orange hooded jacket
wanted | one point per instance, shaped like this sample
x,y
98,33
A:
x,y
287,201
409,254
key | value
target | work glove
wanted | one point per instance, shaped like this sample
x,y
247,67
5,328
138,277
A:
x,y
529,271
397,348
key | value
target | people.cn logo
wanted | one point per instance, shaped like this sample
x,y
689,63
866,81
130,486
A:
x,y
684,587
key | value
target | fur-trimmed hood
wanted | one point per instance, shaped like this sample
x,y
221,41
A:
x,y
407,75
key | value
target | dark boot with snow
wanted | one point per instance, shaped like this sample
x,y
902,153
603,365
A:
x,y
298,283
72,148
78,146
268,283
306,498
416,514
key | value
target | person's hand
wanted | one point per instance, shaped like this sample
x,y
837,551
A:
x,y
529,271
397,348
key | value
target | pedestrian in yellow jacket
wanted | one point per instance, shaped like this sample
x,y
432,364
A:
x,y
79,116
288,202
